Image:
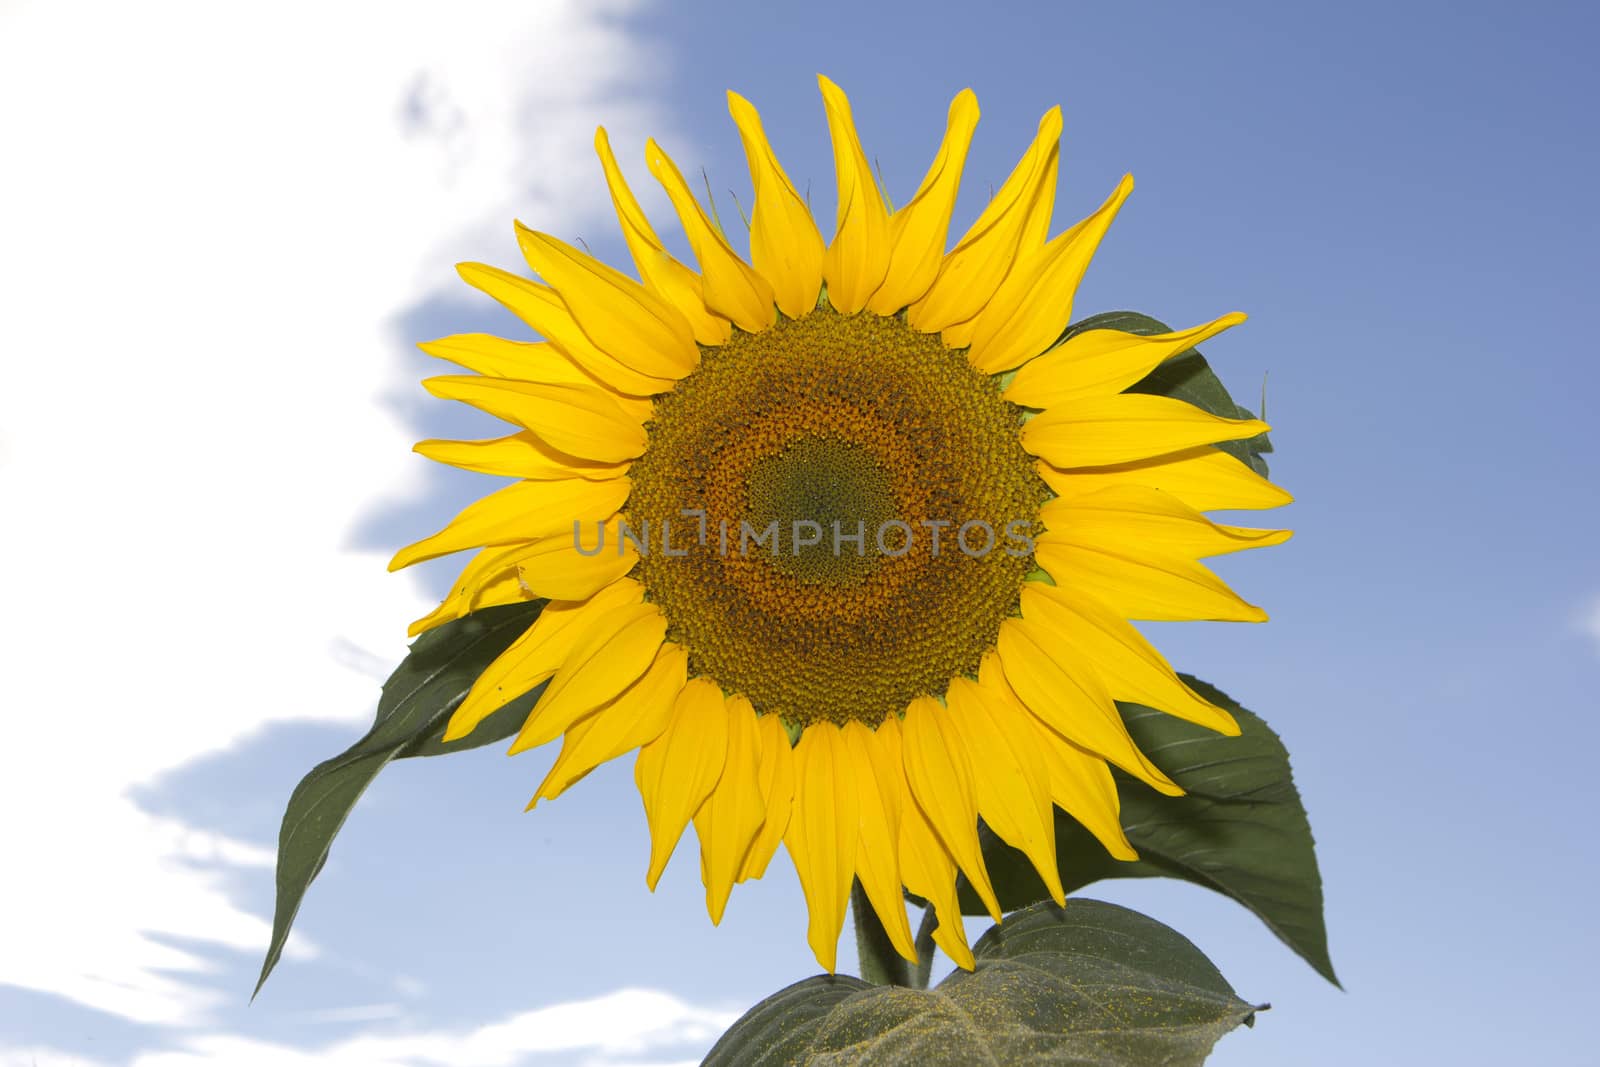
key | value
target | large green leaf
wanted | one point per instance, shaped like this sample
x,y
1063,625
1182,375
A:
x,y
417,700
1091,984
1240,829
1186,376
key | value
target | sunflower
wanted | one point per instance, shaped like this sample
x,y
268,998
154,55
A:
x,y
841,539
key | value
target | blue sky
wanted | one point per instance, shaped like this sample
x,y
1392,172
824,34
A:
x,y
229,233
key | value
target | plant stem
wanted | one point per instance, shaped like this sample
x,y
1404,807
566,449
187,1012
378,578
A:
x,y
924,967
880,963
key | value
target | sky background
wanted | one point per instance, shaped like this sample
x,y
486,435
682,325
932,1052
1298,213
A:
x,y
223,228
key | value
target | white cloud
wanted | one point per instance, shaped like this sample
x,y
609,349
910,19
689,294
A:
x,y
43,1056
212,215
359,1013
630,1023
1590,622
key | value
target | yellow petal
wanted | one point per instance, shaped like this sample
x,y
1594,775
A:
x,y
1157,522
662,274
1080,783
537,361
622,317
887,752
1012,781
822,835
958,335
1103,362
776,775
730,818
731,287
1102,430
677,771
521,455
543,309
1073,701
1205,478
940,775
1155,587
1034,304
974,269
609,654
497,357
858,257
917,232
490,579
785,246
1033,227
580,421
877,859
1036,223
538,653
930,873
571,568
526,361
633,718
569,744
1082,786
1133,670
521,511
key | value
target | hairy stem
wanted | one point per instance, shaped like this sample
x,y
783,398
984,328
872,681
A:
x,y
880,963
924,968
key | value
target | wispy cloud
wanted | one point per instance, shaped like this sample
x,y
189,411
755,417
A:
x,y
628,1028
211,215
43,1056
1589,621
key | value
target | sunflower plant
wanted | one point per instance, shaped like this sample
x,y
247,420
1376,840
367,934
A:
x,y
842,543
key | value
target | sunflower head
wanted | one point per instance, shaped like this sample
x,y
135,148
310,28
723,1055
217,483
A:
x,y
843,538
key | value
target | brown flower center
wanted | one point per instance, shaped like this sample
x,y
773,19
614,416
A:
x,y
850,514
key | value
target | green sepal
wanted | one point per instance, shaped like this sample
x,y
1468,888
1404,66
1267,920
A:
x,y
1091,984
417,700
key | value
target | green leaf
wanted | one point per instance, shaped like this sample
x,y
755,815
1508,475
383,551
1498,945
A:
x,y
1185,376
1091,984
1241,829
416,703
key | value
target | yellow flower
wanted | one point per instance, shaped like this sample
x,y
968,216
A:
x,y
840,539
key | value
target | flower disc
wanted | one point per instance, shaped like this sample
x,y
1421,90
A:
x,y
865,429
